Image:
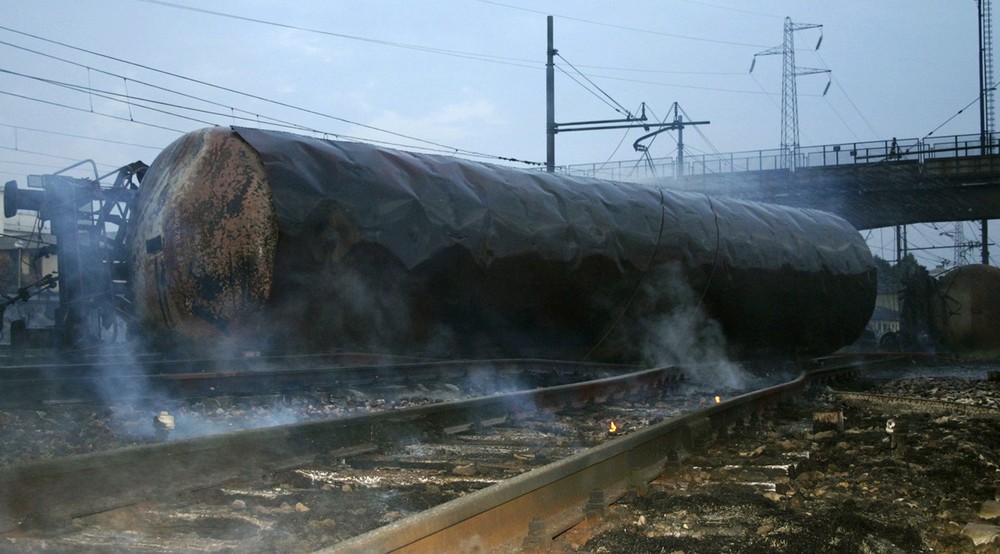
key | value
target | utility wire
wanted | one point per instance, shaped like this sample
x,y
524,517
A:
x,y
30,240
661,71
959,112
150,85
588,89
315,131
22,150
18,127
677,85
27,164
39,100
842,121
527,63
454,53
443,147
731,9
697,129
855,106
848,97
117,97
623,27
620,109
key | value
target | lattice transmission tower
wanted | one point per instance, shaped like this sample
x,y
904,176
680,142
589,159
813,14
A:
x,y
789,93
986,67
986,90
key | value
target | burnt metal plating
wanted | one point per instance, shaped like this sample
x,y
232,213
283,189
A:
x,y
965,310
204,237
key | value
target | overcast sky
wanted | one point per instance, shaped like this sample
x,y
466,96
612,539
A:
x,y
469,75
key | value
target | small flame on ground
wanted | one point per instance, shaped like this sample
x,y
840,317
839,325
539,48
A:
x,y
718,399
613,427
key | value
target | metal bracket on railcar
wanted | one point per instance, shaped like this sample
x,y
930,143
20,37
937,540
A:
x,y
89,222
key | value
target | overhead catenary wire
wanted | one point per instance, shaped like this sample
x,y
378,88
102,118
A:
x,y
959,112
144,83
849,100
585,87
76,108
125,98
732,9
697,129
416,47
615,151
841,119
36,153
444,148
71,135
118,97
611,101
684,86
621,27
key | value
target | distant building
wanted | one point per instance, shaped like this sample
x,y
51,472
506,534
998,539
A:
x,y
885,318
23,261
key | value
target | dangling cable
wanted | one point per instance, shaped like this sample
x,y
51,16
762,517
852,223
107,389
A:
x,y
642,279
718,243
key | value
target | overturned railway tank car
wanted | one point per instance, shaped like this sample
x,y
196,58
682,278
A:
x,y
964,311
268,240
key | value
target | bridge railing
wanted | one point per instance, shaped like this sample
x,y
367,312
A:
x,y
854,153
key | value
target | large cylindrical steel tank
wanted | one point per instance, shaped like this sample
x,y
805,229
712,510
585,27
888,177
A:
x,y
965,310
273,240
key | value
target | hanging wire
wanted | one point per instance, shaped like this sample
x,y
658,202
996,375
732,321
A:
x,y
127,101
443,147
577,81
620,109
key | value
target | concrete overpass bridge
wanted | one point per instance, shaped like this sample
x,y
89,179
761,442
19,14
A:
x,y
871,184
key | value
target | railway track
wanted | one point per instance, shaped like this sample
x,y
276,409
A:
x,y
96,380
509,501
527,512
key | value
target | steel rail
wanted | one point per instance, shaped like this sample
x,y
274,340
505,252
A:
x,y
529,511
885,401
49,493
25,385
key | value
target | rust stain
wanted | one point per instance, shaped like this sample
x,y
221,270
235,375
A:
x,y
210,204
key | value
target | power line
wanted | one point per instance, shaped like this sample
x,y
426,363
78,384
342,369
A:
x,y
18,127
620,27
157,87
519,62
661,71
443,147
40,154
49,102
443,51
318,132
849,100
842,121
620,109
117,97
137,101
959,112
27,164
731,9
586,88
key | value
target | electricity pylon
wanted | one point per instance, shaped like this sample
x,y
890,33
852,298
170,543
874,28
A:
x,y
789,94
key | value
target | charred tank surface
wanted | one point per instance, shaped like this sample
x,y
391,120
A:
x,y
201,251
385,250
965,310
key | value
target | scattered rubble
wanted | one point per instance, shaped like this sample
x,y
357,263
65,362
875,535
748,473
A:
x,y
821,475
64,429
932,485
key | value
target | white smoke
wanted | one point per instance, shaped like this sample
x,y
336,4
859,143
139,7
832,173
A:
x,y
676,331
